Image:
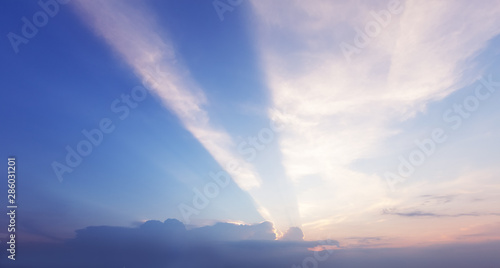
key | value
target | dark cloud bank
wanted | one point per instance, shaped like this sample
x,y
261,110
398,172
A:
x,y
169,244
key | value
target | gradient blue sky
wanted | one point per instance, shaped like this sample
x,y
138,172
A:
x,y
213,83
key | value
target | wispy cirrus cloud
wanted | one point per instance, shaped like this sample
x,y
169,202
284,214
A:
x,y
418,213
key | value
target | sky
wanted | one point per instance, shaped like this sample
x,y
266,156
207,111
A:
x,y
365,131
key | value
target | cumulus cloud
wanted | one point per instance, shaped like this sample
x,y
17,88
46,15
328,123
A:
x,y
170,244
293,234
233,232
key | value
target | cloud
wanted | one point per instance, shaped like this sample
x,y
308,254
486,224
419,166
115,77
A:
x,y
293,234
366,239
170,244
417,213
437,199
367,242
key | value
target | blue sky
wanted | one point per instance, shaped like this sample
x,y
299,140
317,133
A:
x,y
319,106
